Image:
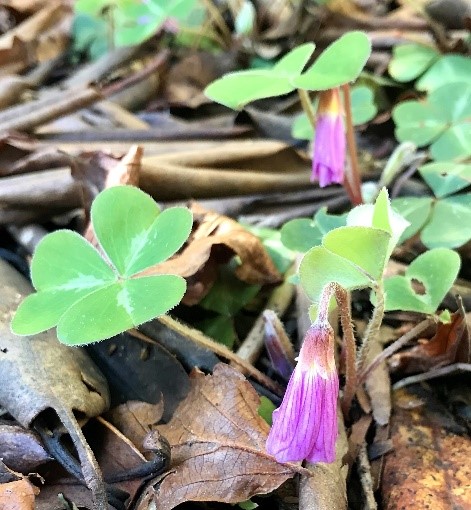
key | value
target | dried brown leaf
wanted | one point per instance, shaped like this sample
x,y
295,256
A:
x,y
17,495
215,240
450,344
218,445
429,466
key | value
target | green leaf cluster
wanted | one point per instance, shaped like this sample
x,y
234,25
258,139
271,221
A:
x,y
126,22
339,63
90,296
356,255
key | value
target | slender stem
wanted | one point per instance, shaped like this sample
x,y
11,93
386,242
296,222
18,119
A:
x,y
352,172
343,302
371,334
307,106
343,299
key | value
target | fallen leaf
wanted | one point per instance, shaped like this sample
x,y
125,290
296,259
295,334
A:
x,y
17,495
218,446
229,168
215,239
136,419
429,466
450,344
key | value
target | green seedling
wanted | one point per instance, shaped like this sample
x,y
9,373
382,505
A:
x,y
91,295
338,64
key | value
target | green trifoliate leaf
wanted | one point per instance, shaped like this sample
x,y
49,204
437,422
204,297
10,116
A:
x,y
411,60
446,70
237,89
339,63
89,299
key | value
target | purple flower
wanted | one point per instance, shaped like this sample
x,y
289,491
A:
x,y
329,144
305,425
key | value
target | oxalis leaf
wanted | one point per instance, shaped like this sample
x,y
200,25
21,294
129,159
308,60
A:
x,y
433,273
339,63
237,89
90,299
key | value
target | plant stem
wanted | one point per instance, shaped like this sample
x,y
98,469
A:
x,y
307,106
349,348
352,172
371,333
343,301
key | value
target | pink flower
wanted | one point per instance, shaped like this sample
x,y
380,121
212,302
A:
x,y
329,144
305,425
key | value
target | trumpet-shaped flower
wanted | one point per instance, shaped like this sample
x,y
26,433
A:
x,y
329,144
305,425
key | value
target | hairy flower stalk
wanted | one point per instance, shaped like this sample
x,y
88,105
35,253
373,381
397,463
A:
x,y
328,160
305,425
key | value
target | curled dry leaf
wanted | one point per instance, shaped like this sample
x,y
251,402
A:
x,y
450,344
215,239
218,446
429,466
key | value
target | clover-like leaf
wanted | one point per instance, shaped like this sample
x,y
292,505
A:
x,y
443,223
83,295
450,223
237,89
446,177
446,70
301,234
416,210
354,257
411,60
432,273
341,62
381,216
443,120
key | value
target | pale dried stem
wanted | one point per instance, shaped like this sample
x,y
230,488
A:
x,y
394,347
202,340
364,470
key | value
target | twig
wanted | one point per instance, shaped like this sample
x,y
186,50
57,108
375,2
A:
x,y
364,470
279,301
395,346
432,374
201,339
